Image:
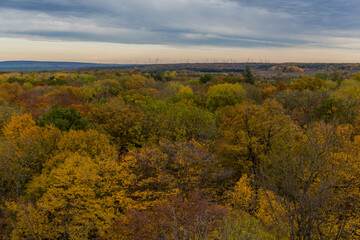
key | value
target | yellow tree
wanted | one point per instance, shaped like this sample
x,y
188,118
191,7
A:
x,y
317,184
137,81
347,98
25,148
10,92
6,112
81,198
311,189
78,194
168,169
269,209
225,94
250,133
307,82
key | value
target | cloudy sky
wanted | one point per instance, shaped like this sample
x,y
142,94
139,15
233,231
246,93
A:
x,y
129,31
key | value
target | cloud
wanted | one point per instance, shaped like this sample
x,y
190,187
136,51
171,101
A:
x,y
232,23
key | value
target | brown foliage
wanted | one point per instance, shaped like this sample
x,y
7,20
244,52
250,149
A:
x,y
174,218
64,97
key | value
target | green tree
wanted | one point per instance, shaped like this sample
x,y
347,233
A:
x,y
300,105
336,76
179,122
322,75
225,94
250,133
356,76
206,78
316,183
249,77
125,123
7,111
62,118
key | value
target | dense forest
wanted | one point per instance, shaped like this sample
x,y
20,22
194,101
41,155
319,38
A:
x,y
147,155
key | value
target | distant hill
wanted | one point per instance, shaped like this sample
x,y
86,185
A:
x,y
271,68
41,65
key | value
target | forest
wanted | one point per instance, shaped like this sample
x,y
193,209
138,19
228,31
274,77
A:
x,y
177,154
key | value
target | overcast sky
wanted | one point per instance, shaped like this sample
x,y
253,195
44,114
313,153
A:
x,y
123,31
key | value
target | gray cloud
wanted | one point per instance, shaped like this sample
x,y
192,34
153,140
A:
x,y
235,23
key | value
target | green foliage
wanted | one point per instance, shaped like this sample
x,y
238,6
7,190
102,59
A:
x,y
58,79
225,94
20,80
7,111
336,76
137,81
240,225
107,88
300,105
322,75
62,118
179,122
356,76
330,85
329,110
180,157
206,78
248,75
124,123
250,133
349,96
172,88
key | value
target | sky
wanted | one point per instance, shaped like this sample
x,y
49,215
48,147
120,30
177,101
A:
x,y
167,31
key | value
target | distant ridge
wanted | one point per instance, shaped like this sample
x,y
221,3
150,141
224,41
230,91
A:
x,y
45,65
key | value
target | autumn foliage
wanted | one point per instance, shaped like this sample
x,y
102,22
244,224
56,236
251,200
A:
x,y
120,154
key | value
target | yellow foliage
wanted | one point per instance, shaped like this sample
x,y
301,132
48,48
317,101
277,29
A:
x,y
124,123
19,127
30,222
268,91
271,211
307,82
82,197
154,173
225,94
250,133
10,92
137,81
263,204
293,69
242,196
27,147
356,76
86,143
185,90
